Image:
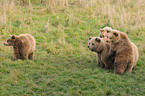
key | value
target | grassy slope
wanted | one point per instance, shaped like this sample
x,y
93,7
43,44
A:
x,y
62,64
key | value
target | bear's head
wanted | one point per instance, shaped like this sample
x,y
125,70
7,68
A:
x,y
10,41
103,32
95,44
113,36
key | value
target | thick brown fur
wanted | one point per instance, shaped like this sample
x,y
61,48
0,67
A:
x,y
126,53
101,47
23,46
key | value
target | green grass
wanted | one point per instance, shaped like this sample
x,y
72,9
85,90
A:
x,y
63,65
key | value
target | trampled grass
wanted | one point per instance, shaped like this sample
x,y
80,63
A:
x,y
63,65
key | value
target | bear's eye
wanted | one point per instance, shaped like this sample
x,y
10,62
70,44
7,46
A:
x,y
102,35
92,43
7,40
89,43
107,31
110,37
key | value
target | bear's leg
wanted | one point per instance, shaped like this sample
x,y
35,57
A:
x,y
98,62
130,67
102,64
24,56
119,67
98,59
31,55
108,63
16,54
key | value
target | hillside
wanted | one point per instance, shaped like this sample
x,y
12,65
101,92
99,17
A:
x,y
63,65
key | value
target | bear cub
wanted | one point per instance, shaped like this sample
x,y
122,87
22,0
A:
x,y
23,46
101,47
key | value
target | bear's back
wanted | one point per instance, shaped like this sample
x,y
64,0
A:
x,y
29,39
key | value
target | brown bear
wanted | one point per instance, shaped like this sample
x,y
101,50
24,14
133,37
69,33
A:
x,y
125,52
23,46
101,47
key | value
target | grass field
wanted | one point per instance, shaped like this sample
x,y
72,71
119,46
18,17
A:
x,y
63,65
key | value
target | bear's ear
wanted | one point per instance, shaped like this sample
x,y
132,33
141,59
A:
x,y
90,38
115,33
108,31
13,37
97,39
101,30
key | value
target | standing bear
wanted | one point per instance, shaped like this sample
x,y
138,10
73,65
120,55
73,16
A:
x,y
23,46
125,52
101,47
